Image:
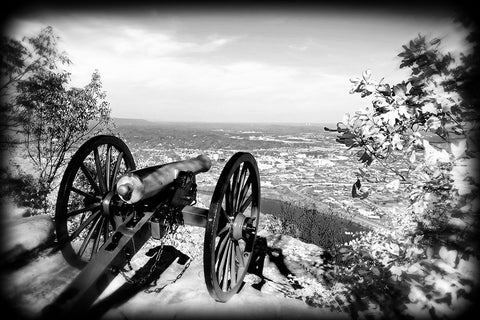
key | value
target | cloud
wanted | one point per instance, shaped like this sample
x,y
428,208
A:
x,y
242,91
233,90
135,42
229,69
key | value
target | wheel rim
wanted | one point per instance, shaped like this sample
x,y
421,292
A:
x,y
88,210
232,226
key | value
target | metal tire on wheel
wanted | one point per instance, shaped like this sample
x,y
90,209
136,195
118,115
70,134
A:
x,y
87,209
232,225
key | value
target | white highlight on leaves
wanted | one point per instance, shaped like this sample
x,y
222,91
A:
x,y
459,148
433,156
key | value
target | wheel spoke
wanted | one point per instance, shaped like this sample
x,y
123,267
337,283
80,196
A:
x,y
107,166
85,194
91,207
98,164
81,251
246,203
233,269
235,190
83,217
224,229
243,194
220,247
97,239
238,253
223,219
225,215
221,260
116,168
84,225
227,263
90,179
241,185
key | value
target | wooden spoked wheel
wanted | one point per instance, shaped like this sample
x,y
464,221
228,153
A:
x,y
232,226
88,209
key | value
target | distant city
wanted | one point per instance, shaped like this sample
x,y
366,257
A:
x,y
297,163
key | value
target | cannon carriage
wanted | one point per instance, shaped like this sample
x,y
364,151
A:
x,y
107,209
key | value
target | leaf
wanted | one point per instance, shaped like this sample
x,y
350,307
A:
x,y
357,191
458,149
396,270
393,185
415,268
444,286
403,111
418,310
449,256
358,184
430,108
400,90
366,74
417,295
468,268
343,250
355,187
429,252
347,138
391,117
366,158
341,127
393,248
413,157
370,87
397,141
384,89
432,155
435,41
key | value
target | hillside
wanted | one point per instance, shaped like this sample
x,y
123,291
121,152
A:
x,y
180,289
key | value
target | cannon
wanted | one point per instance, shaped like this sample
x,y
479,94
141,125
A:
x,y
107,209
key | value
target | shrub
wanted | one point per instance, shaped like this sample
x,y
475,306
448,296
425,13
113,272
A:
x,y
423,131
27,190
49,116
322,227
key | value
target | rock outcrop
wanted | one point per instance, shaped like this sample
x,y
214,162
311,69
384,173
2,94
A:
x,y
23,237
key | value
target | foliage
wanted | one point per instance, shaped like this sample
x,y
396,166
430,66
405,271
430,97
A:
x,y
423,131
420,283
26,191
377,276
50,116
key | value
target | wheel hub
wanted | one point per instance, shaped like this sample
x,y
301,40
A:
x,y
106,203
242,227
237,226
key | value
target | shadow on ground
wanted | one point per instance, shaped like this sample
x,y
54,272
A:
x,y
146,277
143,279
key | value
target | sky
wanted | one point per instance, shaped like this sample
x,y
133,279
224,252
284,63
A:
x,y
257,65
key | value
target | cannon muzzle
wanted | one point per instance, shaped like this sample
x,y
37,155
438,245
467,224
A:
x,y
144,183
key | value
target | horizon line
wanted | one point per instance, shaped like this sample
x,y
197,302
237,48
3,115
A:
x,y
226,121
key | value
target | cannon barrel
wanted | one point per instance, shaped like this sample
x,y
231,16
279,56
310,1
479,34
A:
x,y
144,183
